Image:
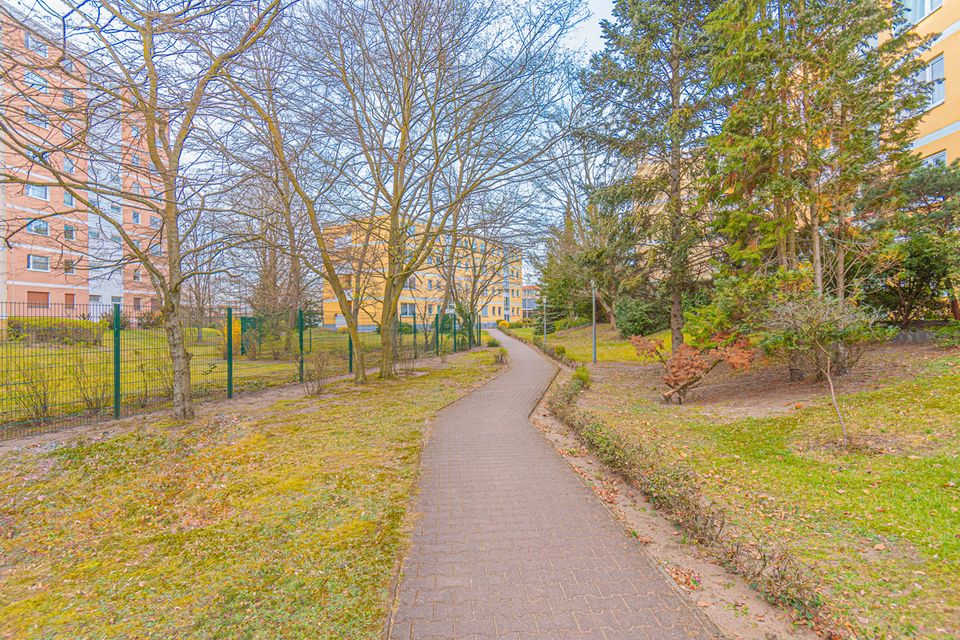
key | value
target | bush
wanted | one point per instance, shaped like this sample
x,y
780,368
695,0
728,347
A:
x,y
493,342
949,335
581,377
500,357
560,350
568,323
518,325
503,324
636,317
56,330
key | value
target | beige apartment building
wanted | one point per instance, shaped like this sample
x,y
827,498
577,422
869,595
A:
x,y
61,257
938,139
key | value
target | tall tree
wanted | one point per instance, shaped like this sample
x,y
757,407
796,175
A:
x,y
654,104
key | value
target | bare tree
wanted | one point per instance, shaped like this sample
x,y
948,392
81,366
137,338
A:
x,y
135,82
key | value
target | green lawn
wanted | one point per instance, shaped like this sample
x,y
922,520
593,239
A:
x,y
279,521
880,526
578,343
44,383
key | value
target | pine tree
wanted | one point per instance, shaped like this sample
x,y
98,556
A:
x,y
826,103
654,105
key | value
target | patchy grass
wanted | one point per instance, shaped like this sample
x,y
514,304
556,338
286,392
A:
x,y
878,524
578,343
285,521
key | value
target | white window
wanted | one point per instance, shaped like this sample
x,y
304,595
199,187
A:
x,y
114,207
116,299
933,74
94,299
36,118
35,44
134,131
69,266
135,216
938,159
68,165
68,198
69,232
136,275
155,222
136,189
38,228
156,250
68,97
407,309
115,237
68,65
36,191
38,263
917,10
94,234
135,159
35,81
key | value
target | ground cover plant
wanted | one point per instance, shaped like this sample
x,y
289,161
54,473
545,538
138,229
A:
x,y
280,519
874,525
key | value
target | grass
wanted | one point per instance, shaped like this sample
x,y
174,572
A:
x,y
284,520
880,526
578,343
49,382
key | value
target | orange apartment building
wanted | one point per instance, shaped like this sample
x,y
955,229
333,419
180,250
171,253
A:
x,y
60,256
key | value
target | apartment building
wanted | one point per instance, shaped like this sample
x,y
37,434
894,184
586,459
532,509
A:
x,y
531,300
938,138
485,272
61,255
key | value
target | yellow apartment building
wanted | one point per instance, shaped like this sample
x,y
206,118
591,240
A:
x,y
486,276
938,138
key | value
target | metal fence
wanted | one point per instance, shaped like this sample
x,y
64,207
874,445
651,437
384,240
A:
x,y
66,365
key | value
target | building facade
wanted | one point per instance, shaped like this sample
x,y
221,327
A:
x,y
486,276
531,297
938,138
61,255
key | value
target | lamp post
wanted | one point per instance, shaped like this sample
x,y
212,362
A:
x,y
544,320
593,294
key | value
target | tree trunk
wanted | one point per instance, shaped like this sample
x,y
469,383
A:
x,y
676,321
180,361
387,353
816,250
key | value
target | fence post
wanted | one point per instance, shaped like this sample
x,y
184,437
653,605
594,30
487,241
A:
x,y
300,332
454,350
349,353
414,332
436,334
479,330
116,361
229,352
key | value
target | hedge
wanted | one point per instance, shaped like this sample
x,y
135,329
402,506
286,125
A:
x,y
55,330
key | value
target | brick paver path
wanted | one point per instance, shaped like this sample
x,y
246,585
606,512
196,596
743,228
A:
x,y
510,544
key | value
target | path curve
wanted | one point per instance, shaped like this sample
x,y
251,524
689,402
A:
x,y
509,544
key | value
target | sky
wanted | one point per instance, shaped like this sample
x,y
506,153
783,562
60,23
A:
x,y
586,38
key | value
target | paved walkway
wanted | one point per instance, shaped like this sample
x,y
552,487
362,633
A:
x,y
510,544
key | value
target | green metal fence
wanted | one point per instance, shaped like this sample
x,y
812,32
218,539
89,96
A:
x,y
68,365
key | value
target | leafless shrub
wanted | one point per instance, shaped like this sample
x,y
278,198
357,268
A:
x,y
318,375
93,388
34,392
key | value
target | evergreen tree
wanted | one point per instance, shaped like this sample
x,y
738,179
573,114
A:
x,y
826,103
654,105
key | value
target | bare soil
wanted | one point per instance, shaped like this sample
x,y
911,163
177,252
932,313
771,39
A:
x,y
766,390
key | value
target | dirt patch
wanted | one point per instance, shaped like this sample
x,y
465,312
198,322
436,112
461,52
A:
x,y
766,390
738,610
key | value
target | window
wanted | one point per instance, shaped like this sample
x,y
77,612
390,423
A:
x,y
94,234
68,198
135,159
115,237
136,275
68,97
156,250
429,285
38,228
68,131
136,189
155,222
938,159
69,299
116,299
114,207
485,311
69,232
36,191
917,10
38,263
933,74
136,304
69,266
68,165
68,65
38,300
35,81
94,299
35,44
135,217
408,309
430,309
34,117
134,131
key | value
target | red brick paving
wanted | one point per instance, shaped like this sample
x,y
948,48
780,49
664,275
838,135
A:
x,y
509,544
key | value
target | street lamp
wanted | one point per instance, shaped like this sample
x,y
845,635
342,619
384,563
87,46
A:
x,y
593,293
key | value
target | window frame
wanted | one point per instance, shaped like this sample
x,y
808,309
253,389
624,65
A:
x,y
31,228
30,260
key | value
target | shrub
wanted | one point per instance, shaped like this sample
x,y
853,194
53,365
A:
x,y
503,324
56,330
568,323
500,357
493,342
689,366
581,377
636,317
949,335
560,350
518,325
